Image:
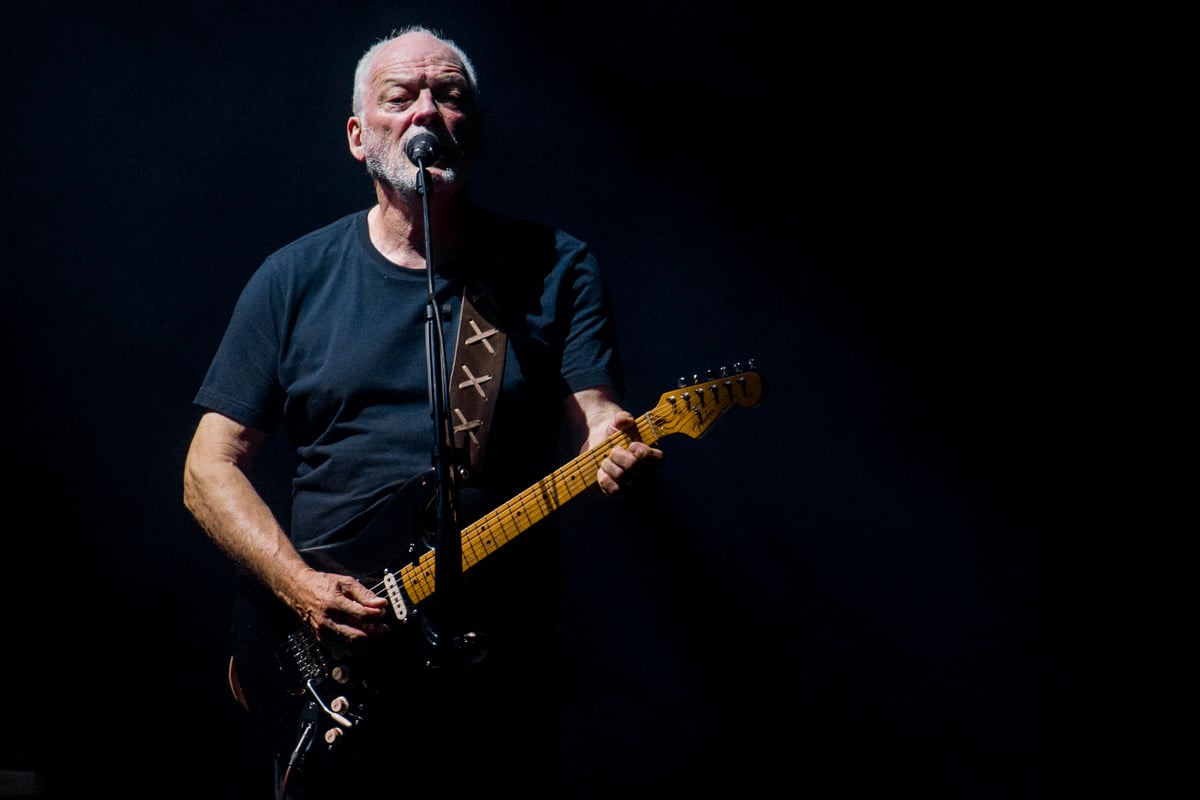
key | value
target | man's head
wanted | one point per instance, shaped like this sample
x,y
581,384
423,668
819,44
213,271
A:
x,y
415,81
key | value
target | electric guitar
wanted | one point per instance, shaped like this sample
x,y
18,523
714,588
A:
x,y
324,694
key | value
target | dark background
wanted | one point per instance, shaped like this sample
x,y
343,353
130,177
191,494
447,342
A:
x,y
936,561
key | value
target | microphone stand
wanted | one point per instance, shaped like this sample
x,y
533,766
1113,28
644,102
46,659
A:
x,y
448,545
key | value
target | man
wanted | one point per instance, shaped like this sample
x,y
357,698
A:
x,y
331,340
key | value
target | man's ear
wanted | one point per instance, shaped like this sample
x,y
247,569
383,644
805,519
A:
x,y
354,138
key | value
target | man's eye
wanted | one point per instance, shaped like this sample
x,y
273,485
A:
x,y
454,99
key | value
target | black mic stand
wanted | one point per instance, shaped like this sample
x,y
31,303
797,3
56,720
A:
x,y
448,543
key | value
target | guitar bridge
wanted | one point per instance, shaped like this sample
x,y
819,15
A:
x,y
305,656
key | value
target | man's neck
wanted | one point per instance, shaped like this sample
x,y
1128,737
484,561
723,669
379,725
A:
x,y
397,228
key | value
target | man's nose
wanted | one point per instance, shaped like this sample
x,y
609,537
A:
x,y
425,108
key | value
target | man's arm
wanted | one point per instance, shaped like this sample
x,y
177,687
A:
x,y
219,494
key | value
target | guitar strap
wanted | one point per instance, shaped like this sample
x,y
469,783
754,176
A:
x,y
476,376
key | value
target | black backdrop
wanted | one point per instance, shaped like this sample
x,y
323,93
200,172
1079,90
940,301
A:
x,y
920,567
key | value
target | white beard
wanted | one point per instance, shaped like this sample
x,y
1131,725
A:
x,y
395,170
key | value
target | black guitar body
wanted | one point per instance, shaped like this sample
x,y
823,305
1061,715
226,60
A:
x,y
321,698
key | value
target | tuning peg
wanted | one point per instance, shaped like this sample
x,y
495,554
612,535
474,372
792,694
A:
x,y
681,382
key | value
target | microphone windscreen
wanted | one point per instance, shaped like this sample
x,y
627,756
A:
x,y
423,147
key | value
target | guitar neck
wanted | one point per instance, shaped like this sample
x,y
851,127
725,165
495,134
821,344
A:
x,y
494,530
690,410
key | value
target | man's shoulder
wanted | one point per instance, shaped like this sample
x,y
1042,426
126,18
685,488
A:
x,y
338,233
518,235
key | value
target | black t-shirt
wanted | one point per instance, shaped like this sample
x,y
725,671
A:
x,y
328,340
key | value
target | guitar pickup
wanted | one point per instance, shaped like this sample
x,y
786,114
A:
x,y
395,595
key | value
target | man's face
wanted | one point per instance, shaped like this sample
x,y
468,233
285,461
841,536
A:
x,y
417,84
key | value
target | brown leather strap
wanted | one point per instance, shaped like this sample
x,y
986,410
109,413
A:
x,y
476,376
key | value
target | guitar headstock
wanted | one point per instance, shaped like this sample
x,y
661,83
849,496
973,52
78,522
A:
x,y
695,406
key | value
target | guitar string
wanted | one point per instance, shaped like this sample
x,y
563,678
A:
x,y
475,535
647,431
472,534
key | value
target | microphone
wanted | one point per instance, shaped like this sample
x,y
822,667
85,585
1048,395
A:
x,y
423,147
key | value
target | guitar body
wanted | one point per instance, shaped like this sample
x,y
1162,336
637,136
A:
x,y
289,680
317,702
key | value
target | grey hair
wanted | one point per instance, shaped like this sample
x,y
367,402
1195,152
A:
x,y
364,63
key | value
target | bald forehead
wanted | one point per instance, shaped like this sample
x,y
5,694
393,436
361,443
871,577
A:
x,y
412,55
